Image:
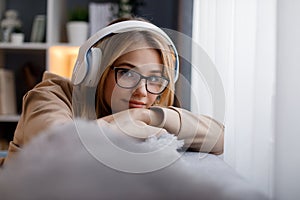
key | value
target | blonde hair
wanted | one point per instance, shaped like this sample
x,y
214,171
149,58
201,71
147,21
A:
x,y
114,46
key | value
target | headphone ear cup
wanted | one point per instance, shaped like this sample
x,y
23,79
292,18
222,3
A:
x,y
94,57
79,72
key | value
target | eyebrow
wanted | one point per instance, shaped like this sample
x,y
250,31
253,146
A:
x,y
134,66
127,64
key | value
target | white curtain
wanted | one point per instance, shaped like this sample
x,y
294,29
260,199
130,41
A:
x,y
240,38
287,129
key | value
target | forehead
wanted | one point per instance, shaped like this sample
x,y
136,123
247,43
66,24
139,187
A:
x,y
141,57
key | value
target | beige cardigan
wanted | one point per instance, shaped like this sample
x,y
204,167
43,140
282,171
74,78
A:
x,y
49,103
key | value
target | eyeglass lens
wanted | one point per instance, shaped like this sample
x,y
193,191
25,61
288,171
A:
x,y
127,78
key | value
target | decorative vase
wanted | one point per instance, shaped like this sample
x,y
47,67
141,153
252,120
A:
x,y
77,32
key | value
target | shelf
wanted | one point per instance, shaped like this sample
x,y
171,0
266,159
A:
x,y
24,46
9,118
32,46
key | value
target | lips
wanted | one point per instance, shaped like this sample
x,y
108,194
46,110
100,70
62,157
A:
x,y
136,104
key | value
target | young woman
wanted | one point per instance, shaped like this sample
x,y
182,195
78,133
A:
x,y
136,87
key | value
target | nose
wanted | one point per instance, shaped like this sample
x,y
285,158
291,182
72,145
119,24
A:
x,y
140,89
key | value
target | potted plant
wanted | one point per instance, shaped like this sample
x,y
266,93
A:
x,y
17,36
78,26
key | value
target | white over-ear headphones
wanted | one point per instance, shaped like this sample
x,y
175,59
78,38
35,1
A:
x,y
89,58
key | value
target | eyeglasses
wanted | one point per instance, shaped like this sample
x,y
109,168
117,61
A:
x,y
127,78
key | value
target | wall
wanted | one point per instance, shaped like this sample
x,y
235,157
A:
x,y
162,13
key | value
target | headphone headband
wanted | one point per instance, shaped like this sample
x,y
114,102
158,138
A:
x,y
82,66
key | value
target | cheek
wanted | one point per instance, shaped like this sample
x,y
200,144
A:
x,y
114,95
151,99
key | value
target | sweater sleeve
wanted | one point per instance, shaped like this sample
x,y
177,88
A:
x,y
47,104
199,132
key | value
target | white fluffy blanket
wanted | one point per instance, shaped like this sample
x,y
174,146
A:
x,y
78,161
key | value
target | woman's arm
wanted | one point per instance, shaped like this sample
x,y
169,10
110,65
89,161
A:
x,y
47,104
200,133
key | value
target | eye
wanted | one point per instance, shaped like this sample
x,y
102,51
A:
x,y
125,73
154,79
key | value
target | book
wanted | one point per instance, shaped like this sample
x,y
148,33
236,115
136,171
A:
x,y
38,29
8,104
100,14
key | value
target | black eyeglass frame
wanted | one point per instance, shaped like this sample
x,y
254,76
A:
x,y
116,69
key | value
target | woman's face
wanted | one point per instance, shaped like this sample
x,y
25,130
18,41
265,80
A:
x,y
146,62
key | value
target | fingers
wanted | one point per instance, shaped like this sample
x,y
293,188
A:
x,y
133,123
136,129
141,130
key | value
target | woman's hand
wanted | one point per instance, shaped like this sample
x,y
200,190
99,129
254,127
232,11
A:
x,y
136,122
